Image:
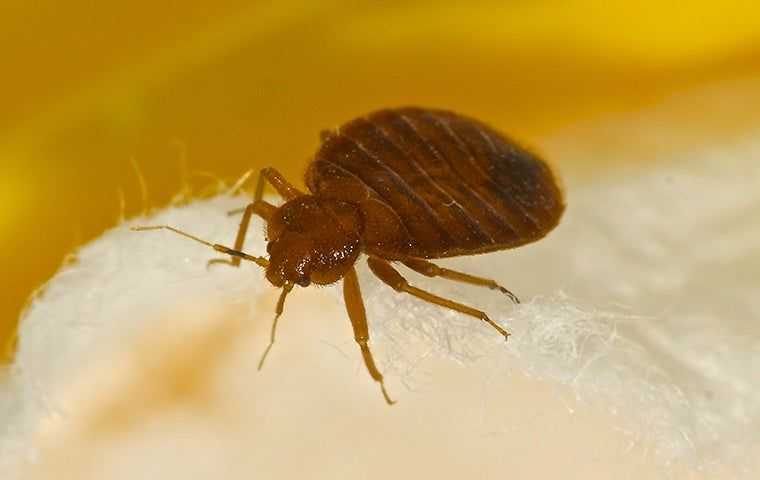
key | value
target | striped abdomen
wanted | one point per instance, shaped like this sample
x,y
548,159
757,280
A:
x,y
432,183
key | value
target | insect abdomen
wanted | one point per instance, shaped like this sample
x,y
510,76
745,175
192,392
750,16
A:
x,y
454,185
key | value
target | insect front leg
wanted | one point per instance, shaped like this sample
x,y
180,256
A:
x,y
432,270
355,307
275,178
259,207
389,275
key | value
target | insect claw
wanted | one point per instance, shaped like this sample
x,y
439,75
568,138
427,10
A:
x,y
511,295
388,399
495,325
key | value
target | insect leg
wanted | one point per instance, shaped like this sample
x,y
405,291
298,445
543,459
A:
x,y
260,208
260,261
355,307
275,178
432,270
385,272
279,183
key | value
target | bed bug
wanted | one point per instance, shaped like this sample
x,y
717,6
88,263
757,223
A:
x,y
402,186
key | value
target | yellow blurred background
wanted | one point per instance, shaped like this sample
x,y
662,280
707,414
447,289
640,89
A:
x,y
88,88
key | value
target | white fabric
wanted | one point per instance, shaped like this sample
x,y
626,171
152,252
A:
x,y
642,311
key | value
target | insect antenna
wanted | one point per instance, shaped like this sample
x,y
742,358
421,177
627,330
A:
x,y
260,261
280,305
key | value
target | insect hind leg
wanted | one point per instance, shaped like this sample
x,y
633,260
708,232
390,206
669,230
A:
x,y
390,276
432,270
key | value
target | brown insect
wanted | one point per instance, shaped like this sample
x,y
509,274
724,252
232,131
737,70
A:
x,y
399,185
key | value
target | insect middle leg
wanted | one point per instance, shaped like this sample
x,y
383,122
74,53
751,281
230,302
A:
x,y
432,270
389,275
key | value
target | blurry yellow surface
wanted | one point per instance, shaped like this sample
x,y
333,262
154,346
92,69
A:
x,y
87,86
632,32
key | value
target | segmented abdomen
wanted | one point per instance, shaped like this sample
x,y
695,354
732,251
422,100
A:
x,y
442,184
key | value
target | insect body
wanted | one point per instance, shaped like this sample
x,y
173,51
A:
x,y
400,185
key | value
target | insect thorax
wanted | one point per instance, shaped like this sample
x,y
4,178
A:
x,y
313,240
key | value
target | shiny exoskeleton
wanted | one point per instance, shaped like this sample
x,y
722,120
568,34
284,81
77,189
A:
x,y
400,185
